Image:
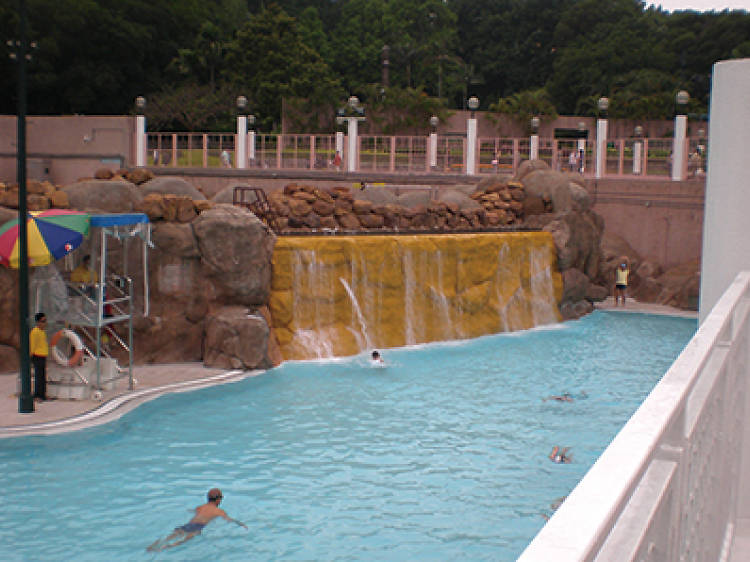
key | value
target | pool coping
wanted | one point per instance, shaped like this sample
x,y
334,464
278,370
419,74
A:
x,y
117,406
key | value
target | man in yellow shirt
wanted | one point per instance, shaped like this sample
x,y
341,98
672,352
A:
x,y
39,350
83,273
621,282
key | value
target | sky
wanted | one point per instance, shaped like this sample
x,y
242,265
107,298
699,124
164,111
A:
x,y
701,5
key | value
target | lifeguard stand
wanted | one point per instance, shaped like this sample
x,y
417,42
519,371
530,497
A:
x,y
99,306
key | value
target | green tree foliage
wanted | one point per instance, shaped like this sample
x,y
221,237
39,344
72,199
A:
x,y
269,61
522,106
400,110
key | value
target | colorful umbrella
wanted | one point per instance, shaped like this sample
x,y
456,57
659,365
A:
x,y
51,235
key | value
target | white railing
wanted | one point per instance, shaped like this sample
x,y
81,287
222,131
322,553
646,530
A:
x,y
409,154
668,487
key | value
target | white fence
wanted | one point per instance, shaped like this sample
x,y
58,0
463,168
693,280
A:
x,y
668,487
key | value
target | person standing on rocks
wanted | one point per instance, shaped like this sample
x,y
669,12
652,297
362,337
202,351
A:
x,y
621,282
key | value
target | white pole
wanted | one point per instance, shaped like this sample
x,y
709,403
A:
x,y
679,148
534,147
601,148
725,249
251,146
637,157
240,151
140,141
581,155
433,151
471,146
352,124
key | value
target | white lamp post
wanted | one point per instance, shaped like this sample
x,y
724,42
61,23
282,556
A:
x,y
601,138
679,144
140,132
581,146
240,149
637,150
434,121
251,139
351,115
701,148
471,137
534,139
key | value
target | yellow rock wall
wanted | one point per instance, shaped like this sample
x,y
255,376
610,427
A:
x,y
340,295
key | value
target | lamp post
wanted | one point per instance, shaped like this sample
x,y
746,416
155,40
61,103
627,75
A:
x,y
140,132
582,135
471,137
637,150
600,168
701,149
21,56
434,122
351,114
240,146
679,144
534,139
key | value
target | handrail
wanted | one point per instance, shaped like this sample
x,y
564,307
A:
x,y
666,487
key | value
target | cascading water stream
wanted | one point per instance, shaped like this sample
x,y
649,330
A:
x,y
358,312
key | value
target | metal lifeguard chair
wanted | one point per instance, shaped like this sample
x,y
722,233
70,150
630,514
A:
x,y
109,302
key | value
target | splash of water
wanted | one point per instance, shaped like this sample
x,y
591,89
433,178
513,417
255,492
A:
x,y
358,313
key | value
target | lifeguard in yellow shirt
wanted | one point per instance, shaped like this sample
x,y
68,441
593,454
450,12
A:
x,y
621,282
39,350
83,273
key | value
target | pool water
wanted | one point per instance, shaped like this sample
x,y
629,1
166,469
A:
x,y
440,456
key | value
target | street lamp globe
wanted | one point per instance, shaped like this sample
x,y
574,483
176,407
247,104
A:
x,y
581,126
535,121
251,120
140,103
353,102
434,121
241,103
638,131
682,97
473,103
603,103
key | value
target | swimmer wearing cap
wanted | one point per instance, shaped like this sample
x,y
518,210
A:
x,y
204,514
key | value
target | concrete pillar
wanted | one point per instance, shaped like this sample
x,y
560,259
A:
x,y
351,157
679,148
240,149
637,157
581,155
471,147
140,141
433,150
600,169
534,147
725,248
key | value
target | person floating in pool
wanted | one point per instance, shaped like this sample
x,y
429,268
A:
x,y
204,514
376,358
564,397
560,456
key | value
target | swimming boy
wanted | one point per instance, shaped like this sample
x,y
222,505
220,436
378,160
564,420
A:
x,y
376,358
560,456
204,514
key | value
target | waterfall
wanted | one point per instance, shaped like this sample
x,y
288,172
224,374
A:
x,y
341,295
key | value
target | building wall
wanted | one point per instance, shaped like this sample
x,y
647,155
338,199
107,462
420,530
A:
x,y
64,148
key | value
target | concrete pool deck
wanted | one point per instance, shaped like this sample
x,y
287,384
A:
x,y
56,416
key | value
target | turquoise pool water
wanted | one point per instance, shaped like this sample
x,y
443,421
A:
x,y
440,456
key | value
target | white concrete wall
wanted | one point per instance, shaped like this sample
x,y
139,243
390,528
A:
x,y
726,229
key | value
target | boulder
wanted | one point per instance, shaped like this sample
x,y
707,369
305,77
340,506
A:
x,y
577,239
8,359
236,250
575,285
236,338
413,199
103,174
226,195
171,185
557,187
528,166
458,198
102,195
377,195
139,175
59,199
174,238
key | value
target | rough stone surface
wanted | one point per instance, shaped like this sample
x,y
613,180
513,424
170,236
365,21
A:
x,y
236,249
101,195
171,185
8,359
236,338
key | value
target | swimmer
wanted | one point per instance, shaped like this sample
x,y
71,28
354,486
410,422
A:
x,y
560,456
376,358
204,514
564,397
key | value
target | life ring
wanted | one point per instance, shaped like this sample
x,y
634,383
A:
x,y
75,359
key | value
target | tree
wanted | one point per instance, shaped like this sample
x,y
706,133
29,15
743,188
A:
x,y
269,60
527,104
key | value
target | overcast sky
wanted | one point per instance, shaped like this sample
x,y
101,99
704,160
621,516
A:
x,y
701,5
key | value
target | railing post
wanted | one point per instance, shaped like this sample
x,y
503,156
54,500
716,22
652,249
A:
x,y
251,147
174,150
516,154
205,150
312,152
279,150
392,166
621,161
645,157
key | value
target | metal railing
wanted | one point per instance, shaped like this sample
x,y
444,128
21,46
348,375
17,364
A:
x,y
409,154
668,487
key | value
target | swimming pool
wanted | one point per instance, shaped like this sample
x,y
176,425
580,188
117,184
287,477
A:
x,y
440,456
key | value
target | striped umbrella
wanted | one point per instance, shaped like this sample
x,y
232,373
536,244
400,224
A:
x,y
51,235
